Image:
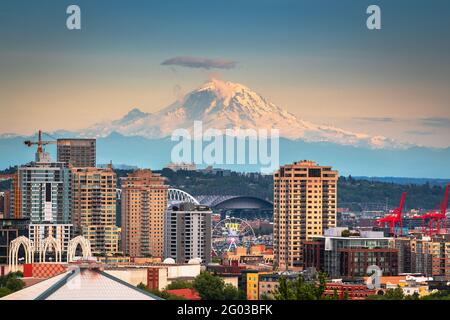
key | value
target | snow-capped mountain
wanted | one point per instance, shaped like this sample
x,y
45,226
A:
x,y
223,105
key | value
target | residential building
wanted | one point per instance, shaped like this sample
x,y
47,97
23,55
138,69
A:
x,y
143,203
77,152
187,232
342,256
44,192
38,232
305,204
94,208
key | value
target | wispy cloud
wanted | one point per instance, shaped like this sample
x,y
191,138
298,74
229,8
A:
x,y
198,62
435,122
420,133
376,119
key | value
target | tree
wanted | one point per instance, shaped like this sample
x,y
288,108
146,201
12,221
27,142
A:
x,y
345,233
162,294
179,284
212,287
284,290
15,284
231,293
4,291
345,296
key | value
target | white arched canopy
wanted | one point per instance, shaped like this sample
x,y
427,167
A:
x,y
85,245
14,252
51,243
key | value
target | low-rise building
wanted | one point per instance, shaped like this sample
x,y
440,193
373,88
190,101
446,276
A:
x,y
349,256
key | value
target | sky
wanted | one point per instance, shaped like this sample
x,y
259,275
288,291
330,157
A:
x,y
316,59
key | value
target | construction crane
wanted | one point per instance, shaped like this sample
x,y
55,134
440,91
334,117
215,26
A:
x,y
436,218
395,217
40,145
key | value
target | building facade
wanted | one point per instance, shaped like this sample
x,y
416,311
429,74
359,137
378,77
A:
x,y
305,201
349,257
10,229
44,191
94,208
77,152
37,233
430,256
143,203
187,232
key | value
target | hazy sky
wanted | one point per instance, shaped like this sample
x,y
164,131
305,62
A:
x,y
314,58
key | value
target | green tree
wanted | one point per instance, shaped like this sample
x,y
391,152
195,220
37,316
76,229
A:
x,y
284,290
179,284
209,286
15,284
4,291
345,296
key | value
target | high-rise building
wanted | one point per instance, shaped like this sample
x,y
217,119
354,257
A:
x,y
305,201
44,192
187,232
77,152
144,201
94,208
430,256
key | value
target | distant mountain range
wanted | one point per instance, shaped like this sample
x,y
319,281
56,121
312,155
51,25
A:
x,y
143,139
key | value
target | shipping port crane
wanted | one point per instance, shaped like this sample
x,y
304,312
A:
x,y
395,217
437,218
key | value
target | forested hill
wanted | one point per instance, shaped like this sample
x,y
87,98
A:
x,y
353,193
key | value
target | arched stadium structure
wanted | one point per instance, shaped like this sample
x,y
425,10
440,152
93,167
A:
x,y
244,207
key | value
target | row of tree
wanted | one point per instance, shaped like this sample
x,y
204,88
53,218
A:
x,y
208,286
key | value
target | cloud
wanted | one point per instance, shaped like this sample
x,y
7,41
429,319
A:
x,y
376,119
197,62
419,133
435,122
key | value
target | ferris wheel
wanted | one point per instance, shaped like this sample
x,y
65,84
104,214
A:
x,y
231,233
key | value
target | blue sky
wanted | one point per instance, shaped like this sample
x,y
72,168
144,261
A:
x,y
315,58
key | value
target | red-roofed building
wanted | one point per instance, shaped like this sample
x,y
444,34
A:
x,y
188,294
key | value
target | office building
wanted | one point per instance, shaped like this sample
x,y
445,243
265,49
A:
x,y
187,232
143,201
77,152
349,256
305,201
94,208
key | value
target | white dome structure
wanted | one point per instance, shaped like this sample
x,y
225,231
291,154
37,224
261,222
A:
x,y
195,261
169,261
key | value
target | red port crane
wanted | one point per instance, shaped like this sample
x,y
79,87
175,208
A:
x,y
436,218
395,217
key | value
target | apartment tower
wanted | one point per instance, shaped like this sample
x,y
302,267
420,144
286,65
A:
x,y
187,232
79,153
94,208
305,200
144,200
